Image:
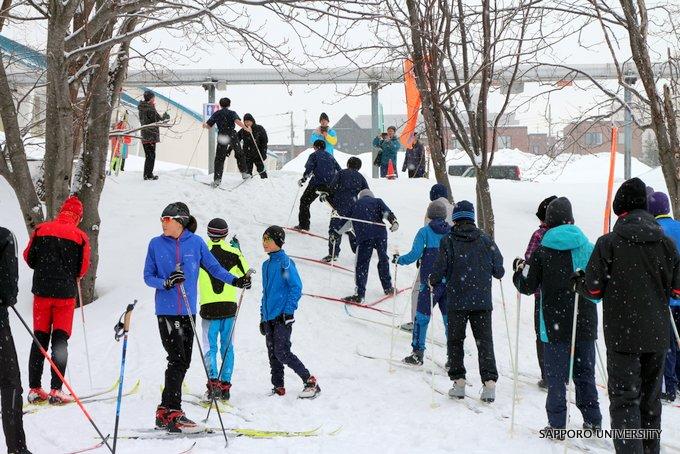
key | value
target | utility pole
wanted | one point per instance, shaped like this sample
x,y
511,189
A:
x,y
212,135
628,128
292,137
375,123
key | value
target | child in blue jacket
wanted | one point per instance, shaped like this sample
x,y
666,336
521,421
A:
x,y
426,248
281,291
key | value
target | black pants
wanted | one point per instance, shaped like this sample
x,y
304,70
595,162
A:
x,y
480,321
255,161
59,354
634,395
177,337
277,336
10,389
306,200
150,158
537,329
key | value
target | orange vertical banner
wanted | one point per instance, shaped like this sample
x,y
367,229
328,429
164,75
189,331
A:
x,y
412,105
610,184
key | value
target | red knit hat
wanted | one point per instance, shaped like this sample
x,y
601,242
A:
x,y
73,205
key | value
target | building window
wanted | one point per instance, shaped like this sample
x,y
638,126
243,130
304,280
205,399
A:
x,y
504,142
593,139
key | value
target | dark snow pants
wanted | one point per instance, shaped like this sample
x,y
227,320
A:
x,y
556,357
277,337
149,158
308,196
480,322
253,160
177,337
10,389
363,260
539,343
634,395
333,226
222,152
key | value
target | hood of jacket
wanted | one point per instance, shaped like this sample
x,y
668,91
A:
x,y
466,231
437,191
638,226
440,226
564,238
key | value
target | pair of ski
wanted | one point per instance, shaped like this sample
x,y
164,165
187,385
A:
x,y
292,229
99,396
144,434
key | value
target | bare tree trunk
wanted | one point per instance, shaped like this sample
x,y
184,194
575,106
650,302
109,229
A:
x,y
485,216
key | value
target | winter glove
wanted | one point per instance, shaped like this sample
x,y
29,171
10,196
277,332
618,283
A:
x,y
577,278
262,328
518,264
323,196
301,181
234,243
176,277
286,319
395,258
395,226
166,116
243,282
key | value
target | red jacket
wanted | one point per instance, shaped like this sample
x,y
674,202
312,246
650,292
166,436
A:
x,y
59,253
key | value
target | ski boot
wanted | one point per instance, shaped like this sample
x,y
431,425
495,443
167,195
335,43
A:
x,y
592,426
668,397
177,422
37,396
299,228
151,178
278,391
161,418
488,391
407,327
216,184
225,386
542,384
458,389
414,359
311,389
552,433
57,397
391,291
354,299
329,259
213,391
246,175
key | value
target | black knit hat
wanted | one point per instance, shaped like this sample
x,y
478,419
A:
x,y
276,233
149,95
354,163
180,211
248,117
323,116
218,228
540,212
632,195
559,212
319,144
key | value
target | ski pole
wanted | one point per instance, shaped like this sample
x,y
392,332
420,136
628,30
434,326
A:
x,y
572,351
259,154
61,377
231,337
82,317
121,329
674,326
432,402
200,136
394,310
507,325
602,363
330,276
337,216
515,372
297,194
200,351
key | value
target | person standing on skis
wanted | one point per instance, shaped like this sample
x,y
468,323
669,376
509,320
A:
x,y
342,196
320,168
563,249
151,135
227,139
10,376
369,237
172,266
218,310
281,291
59,254
425,249
254,144
468,259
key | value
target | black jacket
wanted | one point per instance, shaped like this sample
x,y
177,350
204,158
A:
x,y
147,115
344,189
549,271
9,273
249,147
634,269
468,259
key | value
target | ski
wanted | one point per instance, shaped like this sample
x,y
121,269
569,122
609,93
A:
x,y
386,297
351,303
189,449
291,229
32,409
136,434
224,405
91,448
321,262
398,362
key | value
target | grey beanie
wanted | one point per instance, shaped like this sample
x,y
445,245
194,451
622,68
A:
x,y
365,193
436,210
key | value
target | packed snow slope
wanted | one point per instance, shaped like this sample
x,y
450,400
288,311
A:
x,y
374,408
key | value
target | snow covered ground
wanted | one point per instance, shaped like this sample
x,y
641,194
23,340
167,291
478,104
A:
x,y
375,409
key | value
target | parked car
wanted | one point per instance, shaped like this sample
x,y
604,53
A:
x,y
495,172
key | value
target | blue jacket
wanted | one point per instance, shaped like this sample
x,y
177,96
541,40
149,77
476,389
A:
x,y
344,188
192,253
330,143
468,259
281,286
389,150
373,210
323,166
426,247
671,228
